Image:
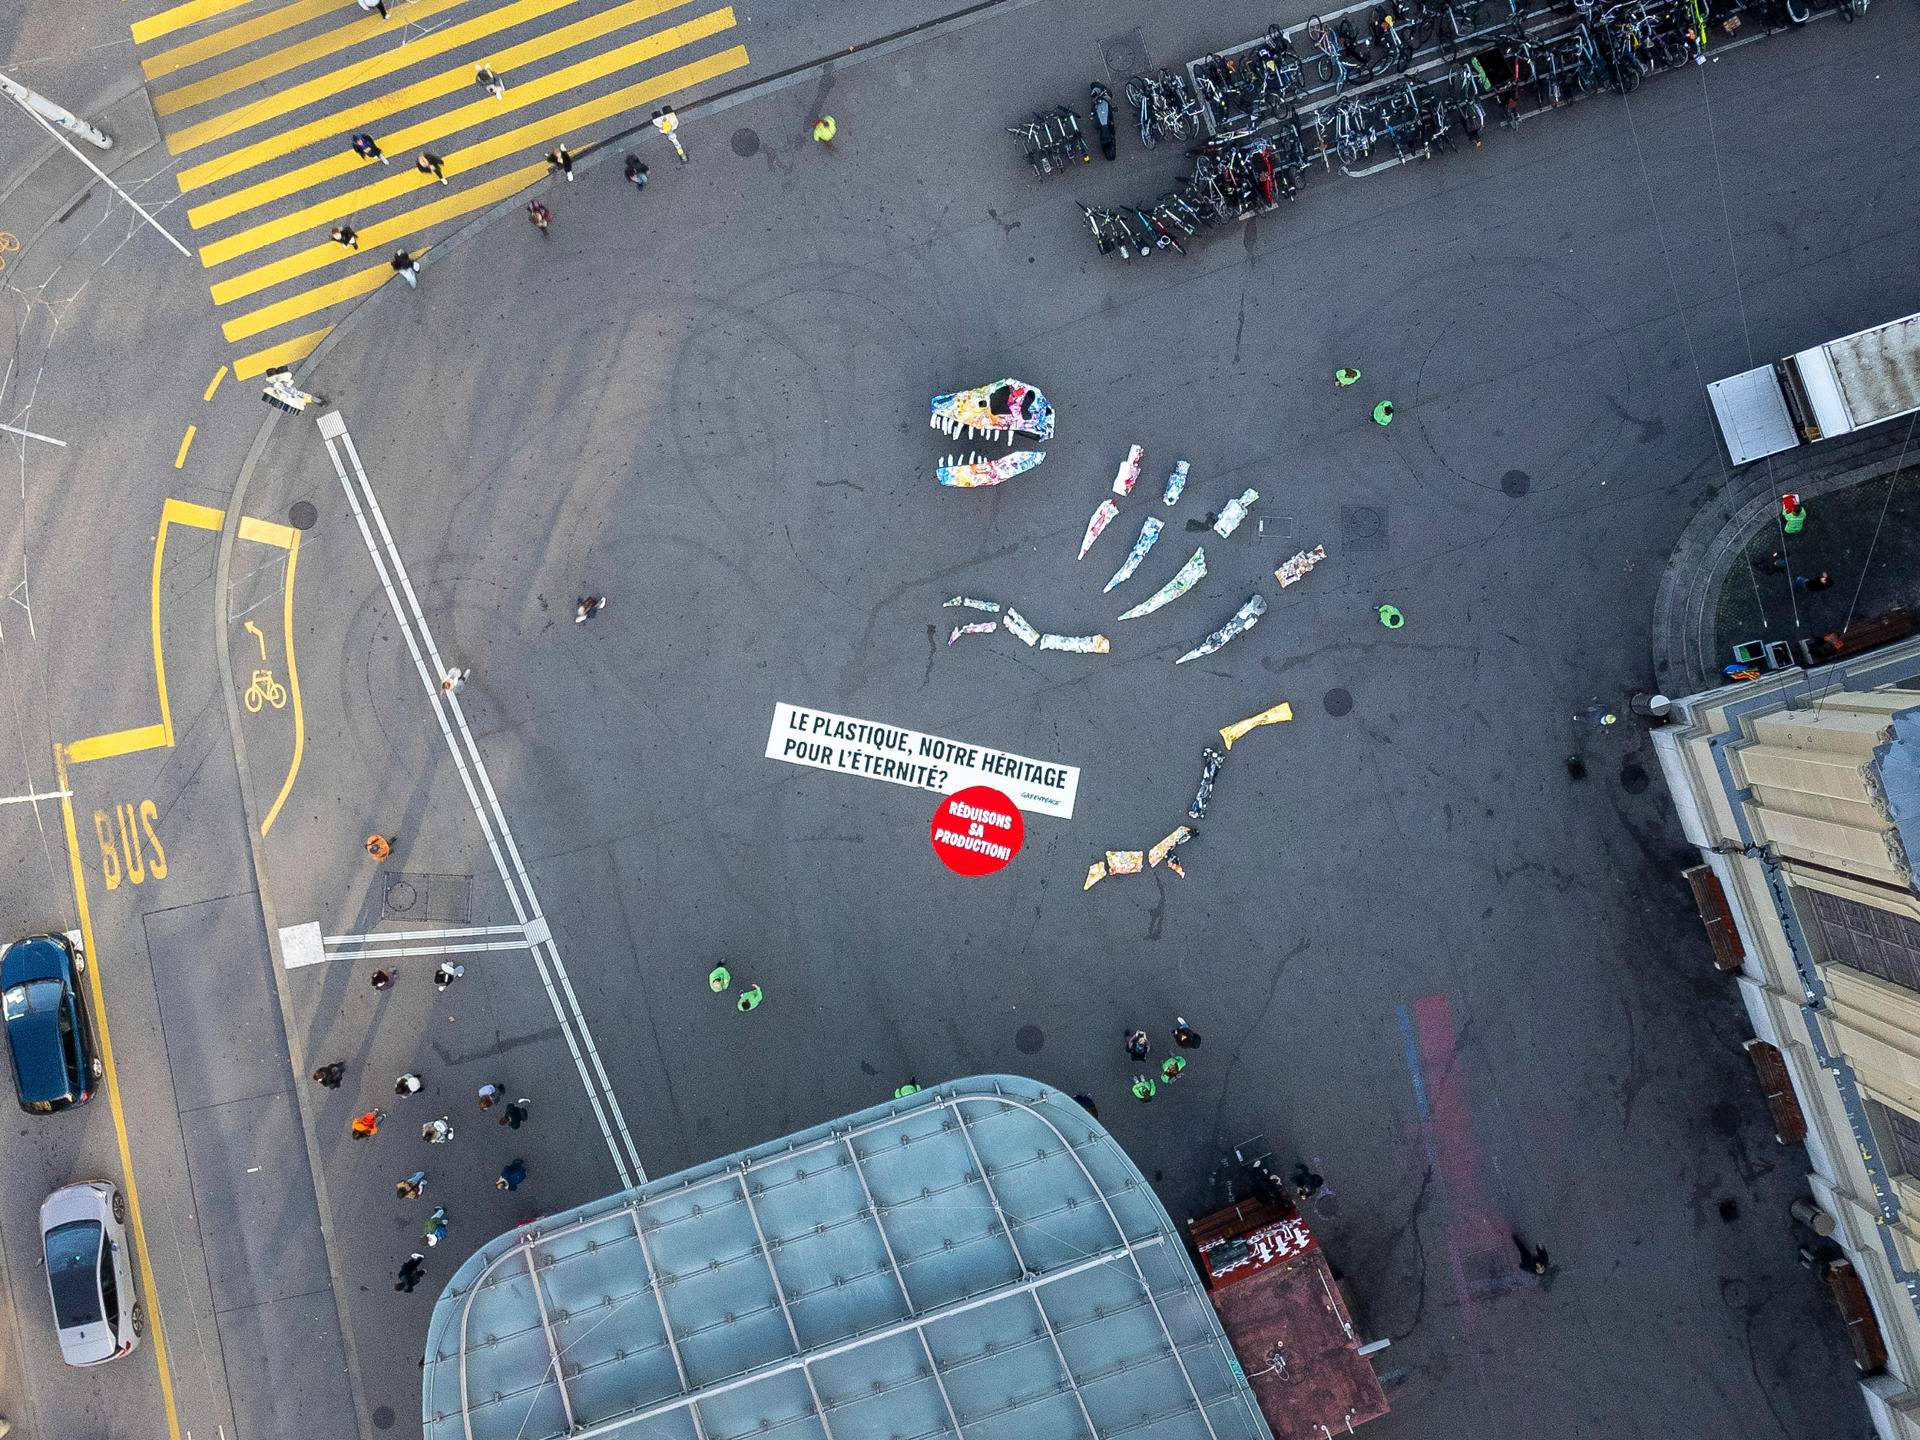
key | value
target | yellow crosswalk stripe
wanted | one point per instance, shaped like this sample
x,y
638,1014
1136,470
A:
x,y
361,117
180,17
249,367
359,283
234,36
340,38
460,202
310,301
500,146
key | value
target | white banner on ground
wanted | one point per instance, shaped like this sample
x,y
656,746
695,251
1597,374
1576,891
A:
x,y
926,762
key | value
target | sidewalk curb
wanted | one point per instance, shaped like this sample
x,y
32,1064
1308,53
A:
x,y
1682,633
256,846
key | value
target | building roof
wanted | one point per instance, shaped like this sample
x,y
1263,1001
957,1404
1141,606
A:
x,y
979,1260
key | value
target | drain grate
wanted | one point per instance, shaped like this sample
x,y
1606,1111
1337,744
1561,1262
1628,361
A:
x,y
437,899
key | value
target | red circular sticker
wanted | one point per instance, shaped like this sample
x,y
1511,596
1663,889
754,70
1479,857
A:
x,y
977,830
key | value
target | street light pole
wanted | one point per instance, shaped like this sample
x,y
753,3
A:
x,y
26,99
40,105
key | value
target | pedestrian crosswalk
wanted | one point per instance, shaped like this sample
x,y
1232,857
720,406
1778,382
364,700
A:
x,y
260,103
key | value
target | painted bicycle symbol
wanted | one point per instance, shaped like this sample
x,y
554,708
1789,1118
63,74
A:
x,y
7,242
265,690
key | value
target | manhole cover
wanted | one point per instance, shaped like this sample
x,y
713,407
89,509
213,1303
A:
x,y
401,897
1363,527
1338,702
1029,1039
302,515
1516,483
1733,1293
1124,54
746,142
1633,777
383,1418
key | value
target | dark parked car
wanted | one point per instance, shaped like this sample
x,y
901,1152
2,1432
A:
x,y
49,1029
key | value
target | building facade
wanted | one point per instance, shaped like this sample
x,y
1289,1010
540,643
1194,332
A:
x,y
1801,790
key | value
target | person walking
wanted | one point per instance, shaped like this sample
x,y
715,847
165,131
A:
x,y
412,1187
589,606
1774,564
436,1230
372,5
719,978
668,124
1138,1045
368,1124
516,1115
488,1094
453,679
541,216
636,172
428,163
410,1272
1306,1184
436,1132
1344,377
1822,581
824,129
511,1175
1534,1260
1184,1035
407,1084
1143,1088
382,979
562,160
489,82
1383,413
345,235
408,269
367,148
330,1076
749,999
1171,1068
447,974
912,1087
381,846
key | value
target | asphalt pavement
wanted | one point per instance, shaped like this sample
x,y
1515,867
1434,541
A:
x,y
1468,989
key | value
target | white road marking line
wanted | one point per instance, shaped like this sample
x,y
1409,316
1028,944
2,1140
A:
x,y
390,937
573,1021
402,951
29,799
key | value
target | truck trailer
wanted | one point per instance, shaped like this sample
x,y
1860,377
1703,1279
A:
x,y
1833,389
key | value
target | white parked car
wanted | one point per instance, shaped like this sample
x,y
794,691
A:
x,y
90,1272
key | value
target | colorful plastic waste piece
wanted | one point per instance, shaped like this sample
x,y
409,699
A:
x,y
1165,847
1129,472
1212,761
1188,576
1149,532
1098,523
1299,565
984,627
1176,482
1006,407
1233,512
1096,872
976,470
1272,715
1244,619
1078,644
1017,623
992,607
1125,862
1177,868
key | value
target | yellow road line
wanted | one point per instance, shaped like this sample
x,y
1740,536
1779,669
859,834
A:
x,y
291,58
180,460
460,202
180,17
501,146
113,1098
218,376
289,352
120,742
307,302
234,36
361,117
